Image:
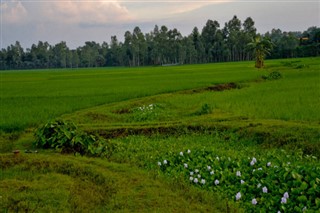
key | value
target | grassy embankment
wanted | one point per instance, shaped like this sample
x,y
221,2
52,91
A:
x,y
252,117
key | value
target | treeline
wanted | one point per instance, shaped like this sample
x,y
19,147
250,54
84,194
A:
x,y
164,46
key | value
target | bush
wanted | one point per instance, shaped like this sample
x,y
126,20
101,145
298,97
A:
x,y
67,138
205,109
272,76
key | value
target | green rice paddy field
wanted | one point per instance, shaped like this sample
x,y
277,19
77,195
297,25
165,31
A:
x,y
176,138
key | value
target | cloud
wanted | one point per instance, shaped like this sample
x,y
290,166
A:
x,y
191,5
89,12
13,12
86,12
147,10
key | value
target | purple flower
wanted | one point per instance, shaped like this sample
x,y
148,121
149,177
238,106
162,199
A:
x,y
283,200
254,201
265,190
238,196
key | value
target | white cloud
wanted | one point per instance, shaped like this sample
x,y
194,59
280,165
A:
x,y
86,12
89,12
13,12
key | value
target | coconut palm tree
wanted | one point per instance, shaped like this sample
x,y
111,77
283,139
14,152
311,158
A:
x,y
261,47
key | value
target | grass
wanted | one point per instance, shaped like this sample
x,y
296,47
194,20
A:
x,y
145,115
42,183
29,98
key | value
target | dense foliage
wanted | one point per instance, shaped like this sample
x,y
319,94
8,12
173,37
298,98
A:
x,y
164,46
266,183
67,138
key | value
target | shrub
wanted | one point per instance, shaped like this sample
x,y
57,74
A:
x,y
67,138
272,76
205,109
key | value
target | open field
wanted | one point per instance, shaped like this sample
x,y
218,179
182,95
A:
x,y
32,97
230,118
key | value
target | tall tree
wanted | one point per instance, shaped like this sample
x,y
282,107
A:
x,y
210,38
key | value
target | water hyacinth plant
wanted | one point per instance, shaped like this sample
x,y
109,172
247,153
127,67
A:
x,y
252,182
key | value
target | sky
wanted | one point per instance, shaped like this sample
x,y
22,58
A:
x,y
78,21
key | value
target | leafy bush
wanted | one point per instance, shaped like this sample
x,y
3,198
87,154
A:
x,y
272,76
67,138
205,109
262,184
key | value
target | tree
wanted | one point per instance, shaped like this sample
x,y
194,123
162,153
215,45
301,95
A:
x,y
210,38
261,47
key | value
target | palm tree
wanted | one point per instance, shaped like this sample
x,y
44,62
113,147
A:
x,y
261,47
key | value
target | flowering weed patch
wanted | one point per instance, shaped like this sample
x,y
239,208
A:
x,y
146,112
260,183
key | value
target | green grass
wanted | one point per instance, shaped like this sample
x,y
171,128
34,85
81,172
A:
x,y
258,118
29,98
42,183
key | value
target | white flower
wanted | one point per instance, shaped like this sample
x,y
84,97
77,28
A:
x,y
238,196
253,170
216,182
199,176
191,178
260,168
242,181
212,172
269,164
191,173
304,209
283,200
265,189
181,153
288,163
188,151
165,162
278,212
254,160
286,195
159,163
259,185
196,171
209,168
185,165
217,158
195,180
238,174
252,163
254,201
203,181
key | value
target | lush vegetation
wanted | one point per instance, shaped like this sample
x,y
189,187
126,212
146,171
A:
x,y
163,46
214,137
30,98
